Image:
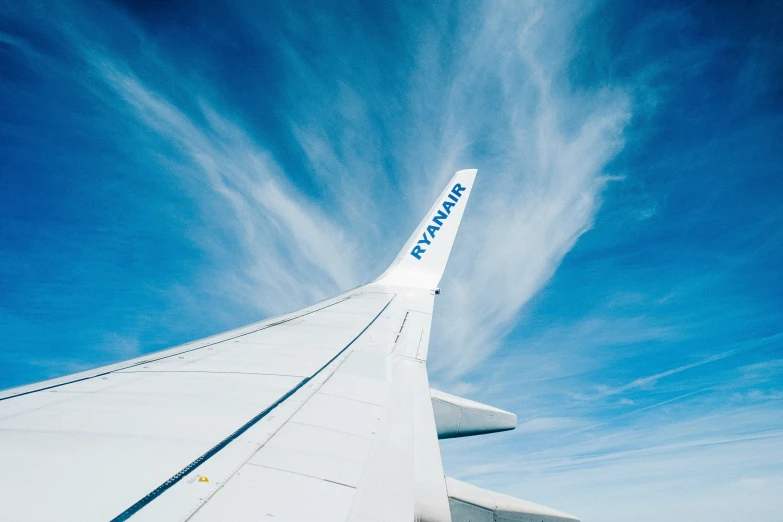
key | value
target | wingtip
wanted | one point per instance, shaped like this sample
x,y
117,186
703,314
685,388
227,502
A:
x,y
466,173
422,260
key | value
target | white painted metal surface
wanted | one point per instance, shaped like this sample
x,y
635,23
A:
x,y
324,414
460,417
421,261
472,504
117,437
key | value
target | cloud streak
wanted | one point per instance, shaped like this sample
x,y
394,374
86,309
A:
x,y
291,251
540,189
495,96
722,459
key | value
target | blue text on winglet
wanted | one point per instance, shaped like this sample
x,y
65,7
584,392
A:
x,y
437,221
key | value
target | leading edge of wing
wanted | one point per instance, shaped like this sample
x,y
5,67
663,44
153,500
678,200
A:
x,y
420,264
422,261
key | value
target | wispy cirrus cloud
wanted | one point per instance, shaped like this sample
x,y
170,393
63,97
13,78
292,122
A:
x,y
708,425
539,189
291,251
284,250
691,430
493,94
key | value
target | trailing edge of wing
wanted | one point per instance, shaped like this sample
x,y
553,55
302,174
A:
x,y
470,503
421,262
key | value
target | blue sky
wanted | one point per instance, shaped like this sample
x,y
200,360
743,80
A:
x,y
171,170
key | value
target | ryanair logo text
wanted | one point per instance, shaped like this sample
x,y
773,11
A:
x,y
437,221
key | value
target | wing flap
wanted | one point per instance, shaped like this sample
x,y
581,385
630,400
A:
x,y
259,493
471,503
460,417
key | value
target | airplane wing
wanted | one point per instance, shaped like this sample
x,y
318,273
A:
x,y
324,414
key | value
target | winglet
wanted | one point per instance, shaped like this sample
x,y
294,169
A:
x,y
422,260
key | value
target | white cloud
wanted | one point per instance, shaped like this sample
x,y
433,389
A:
x,y
504,88
540,188
650,380
289,250
548,424
705,467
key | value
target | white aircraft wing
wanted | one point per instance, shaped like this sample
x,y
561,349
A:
x,y
324,414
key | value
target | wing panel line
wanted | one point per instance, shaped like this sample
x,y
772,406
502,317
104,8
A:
x,y
147,361
125,515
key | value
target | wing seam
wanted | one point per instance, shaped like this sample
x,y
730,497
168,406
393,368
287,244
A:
x,y
147,361
155,493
